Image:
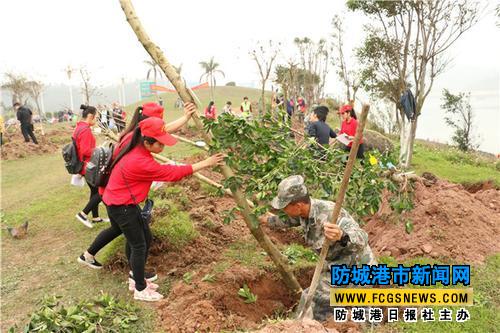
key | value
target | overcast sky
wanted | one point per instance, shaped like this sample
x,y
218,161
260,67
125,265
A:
x,y
41,38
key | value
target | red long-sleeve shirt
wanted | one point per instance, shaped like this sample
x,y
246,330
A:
x,y
350,128
85,143
132,176
211,113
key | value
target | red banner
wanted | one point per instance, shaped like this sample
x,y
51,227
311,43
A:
x,y
200,86
161,88
156,87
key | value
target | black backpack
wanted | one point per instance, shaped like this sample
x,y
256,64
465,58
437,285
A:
x,y
100,165
70,156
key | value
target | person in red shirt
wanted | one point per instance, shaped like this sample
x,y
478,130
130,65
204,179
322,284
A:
x,y
210,111
85,144
349,127
131,177
145,111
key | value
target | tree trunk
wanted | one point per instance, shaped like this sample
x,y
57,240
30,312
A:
x,y
336,211
411,142
263,101
187,96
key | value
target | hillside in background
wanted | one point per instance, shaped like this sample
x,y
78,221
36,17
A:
x,y
222,95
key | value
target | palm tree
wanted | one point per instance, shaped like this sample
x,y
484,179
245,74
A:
x,y
178,69
210,68
153,69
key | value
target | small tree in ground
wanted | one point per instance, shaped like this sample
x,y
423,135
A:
x,y
35,89
314,59
348,77
264,56
88,89
404,48
460,118
211,69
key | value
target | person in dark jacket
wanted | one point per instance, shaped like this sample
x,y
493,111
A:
x,y
24,116
319,129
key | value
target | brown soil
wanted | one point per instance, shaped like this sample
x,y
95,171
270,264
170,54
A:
x,y
212,306
483,186
295,326
15,147
449,223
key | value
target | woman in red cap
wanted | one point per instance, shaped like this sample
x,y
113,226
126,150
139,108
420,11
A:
x,y
133,172
349,127
152,109
145,111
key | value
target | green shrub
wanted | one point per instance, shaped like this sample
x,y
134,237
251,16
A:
x,y
102,314
297,254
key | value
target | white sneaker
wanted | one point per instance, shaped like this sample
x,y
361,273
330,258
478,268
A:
x,y
99,220
148,295
151,285
84,220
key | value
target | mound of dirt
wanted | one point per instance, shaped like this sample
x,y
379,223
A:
x,y
213,306
15,147
476,187
449,223
295,326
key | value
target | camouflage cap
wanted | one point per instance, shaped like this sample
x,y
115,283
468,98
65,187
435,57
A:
x,y
290,189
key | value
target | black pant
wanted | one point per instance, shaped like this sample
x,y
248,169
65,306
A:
x,y
361,151
27,131
94,200
127,220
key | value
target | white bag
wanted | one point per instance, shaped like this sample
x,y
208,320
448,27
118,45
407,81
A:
x,y
77,180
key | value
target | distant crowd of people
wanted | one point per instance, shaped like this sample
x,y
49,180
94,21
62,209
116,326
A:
x,y
245,110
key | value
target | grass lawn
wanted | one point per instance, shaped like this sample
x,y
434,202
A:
x,y
37,189
453,165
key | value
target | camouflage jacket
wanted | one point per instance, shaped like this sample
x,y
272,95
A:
x,y
352,250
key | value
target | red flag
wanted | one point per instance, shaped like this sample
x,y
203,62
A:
x,y
161,88
200,86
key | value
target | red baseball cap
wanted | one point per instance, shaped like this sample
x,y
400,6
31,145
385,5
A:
x,y
155,128
345,108
152,109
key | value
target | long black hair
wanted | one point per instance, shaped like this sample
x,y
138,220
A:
x,y
353,114
137,139
137,117
210,105
87,109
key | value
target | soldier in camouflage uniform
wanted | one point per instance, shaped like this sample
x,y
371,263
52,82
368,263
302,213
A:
x,y
349,241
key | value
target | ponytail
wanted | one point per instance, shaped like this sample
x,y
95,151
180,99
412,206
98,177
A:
x,y
353,114
137,117
136,140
